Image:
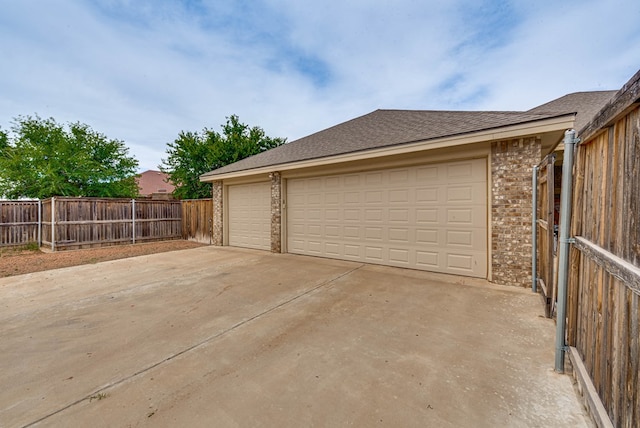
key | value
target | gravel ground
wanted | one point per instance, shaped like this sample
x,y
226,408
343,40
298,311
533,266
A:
x,y
21,261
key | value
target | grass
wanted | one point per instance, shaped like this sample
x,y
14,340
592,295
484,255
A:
x,y
100,396
14,250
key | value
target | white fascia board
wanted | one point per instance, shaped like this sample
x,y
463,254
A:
x,y
504,133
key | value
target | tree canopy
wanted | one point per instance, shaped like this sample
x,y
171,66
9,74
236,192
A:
x,y
41,158
195,153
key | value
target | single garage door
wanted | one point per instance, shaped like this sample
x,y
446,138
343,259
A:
x,y
250,215
430,217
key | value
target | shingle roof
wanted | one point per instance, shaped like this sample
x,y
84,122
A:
x,y
585,104
382,128
385,128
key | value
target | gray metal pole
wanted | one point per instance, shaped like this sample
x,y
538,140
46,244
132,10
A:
x,y
534,232
563,243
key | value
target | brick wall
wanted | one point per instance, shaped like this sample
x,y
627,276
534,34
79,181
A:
x,y
512,164
217,238
276,212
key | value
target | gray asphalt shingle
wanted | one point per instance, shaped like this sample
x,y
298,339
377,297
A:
x,y
387,128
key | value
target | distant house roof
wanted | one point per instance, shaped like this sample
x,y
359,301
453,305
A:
x,y
151,182
387,128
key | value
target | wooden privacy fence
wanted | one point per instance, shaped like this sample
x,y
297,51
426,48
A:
x,y
19,222
545,229
197,220
603,301
70,223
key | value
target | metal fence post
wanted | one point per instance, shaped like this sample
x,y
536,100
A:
x,y
564,241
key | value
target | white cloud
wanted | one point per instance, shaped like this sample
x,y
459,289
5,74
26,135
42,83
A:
x,y
142,71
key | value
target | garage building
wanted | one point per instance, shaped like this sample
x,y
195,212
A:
x,y
442,191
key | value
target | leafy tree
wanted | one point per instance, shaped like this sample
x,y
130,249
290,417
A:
x,y
4,140
41,159
193,154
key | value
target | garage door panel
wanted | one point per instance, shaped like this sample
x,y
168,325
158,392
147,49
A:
x,y
331,182
352,232
371,179
459,238
352,197
332,198
427,236
373,233
431,217
427,195
373,254
314,230
352,252
399,176
462,262
250,215
314,199
333,249
373,215
397,234
428,260
427,215
332,231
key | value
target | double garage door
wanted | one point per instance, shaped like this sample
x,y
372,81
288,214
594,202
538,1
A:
x,y
430,217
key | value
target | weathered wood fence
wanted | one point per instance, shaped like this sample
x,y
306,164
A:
x,y
545,228
71,223
603,315
19,222
197,220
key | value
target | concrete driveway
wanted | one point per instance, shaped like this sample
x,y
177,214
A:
x,y
230,337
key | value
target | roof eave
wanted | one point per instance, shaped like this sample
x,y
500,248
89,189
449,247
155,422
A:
x,y
559,122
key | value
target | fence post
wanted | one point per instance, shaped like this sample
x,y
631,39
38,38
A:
x,y
534,232
133,220
39,223
564,242
53,223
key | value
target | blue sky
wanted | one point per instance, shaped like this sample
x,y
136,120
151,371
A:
x,y
142,71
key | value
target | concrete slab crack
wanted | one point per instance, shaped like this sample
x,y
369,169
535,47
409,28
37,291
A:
x,y
195,346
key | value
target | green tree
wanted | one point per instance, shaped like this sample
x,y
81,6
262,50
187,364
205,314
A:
x,y
4,140
40,158
195,153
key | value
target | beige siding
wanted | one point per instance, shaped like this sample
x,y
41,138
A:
x,y
430,217
250,215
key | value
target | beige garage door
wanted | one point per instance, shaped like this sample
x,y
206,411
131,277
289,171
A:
x,y
250,215
431,217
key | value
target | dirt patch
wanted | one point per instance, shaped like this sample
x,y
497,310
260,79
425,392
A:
x,y
21,261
